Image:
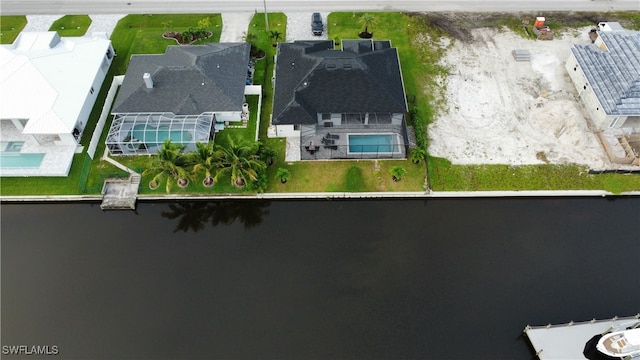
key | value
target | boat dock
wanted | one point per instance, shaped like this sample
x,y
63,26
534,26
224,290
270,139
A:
x,y
120,194
567,341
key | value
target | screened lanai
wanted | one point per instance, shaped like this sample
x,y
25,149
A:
x,y
144,134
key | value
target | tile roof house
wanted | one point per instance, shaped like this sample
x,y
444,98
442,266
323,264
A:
x,y
185,94
340,103
607,76
48,87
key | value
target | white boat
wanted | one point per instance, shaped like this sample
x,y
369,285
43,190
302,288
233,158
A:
x,y
620,344
578,340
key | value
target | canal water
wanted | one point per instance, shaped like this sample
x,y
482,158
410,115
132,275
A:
x,y
388,279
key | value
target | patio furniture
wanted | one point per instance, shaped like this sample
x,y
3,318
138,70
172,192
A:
x,y
332,136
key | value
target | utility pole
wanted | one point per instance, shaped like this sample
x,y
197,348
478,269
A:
x,y
266,17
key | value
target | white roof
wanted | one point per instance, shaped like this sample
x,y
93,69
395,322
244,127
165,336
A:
x,y
46,79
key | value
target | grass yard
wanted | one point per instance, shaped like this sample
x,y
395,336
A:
x,y
142,34
447,177
10,27
346,176
71,25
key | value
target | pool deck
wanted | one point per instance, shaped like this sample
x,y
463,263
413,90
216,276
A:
x,y
56,162
315,144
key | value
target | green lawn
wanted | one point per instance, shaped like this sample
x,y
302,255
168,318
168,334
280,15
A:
x,y
447,177
10,27
348,176
71,25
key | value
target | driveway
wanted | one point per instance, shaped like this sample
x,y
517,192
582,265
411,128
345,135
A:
x,y
234,26
299,26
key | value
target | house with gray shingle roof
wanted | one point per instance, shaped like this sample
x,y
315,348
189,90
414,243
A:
x,y
186,95
340,103
607,76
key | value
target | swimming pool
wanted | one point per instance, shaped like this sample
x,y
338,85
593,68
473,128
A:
x,y
373,143
20,161
152,136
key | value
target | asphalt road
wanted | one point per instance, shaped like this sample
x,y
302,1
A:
x,y
69,7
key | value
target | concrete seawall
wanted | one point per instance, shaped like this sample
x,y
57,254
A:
x,y
327,196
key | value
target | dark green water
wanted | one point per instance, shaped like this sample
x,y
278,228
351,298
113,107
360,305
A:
x,y
435,279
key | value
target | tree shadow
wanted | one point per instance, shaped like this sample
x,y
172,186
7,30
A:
x,y
193,215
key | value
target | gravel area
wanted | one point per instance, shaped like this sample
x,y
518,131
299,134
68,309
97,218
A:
x,y
299,26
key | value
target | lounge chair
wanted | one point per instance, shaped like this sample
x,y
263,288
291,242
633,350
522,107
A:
x,y
328,141
332,136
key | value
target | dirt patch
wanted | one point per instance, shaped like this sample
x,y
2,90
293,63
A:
x,y
502,111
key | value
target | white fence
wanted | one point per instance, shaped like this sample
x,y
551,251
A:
x,y
95,138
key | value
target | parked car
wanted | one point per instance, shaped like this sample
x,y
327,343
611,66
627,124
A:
x,y
317,27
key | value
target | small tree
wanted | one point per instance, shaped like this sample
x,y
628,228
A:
x,y
187,36
204,23
283,175
397,172
417,155
367,20
251,38
167,25
275,36
266,154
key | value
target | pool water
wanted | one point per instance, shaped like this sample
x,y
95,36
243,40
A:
x,y
373,143
150,135
20,161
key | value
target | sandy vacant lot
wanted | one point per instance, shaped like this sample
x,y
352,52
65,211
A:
x,y
500,111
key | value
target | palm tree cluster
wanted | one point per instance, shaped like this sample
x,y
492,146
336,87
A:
x,y
243,161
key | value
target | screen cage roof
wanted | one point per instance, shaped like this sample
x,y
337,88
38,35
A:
x,y
144,133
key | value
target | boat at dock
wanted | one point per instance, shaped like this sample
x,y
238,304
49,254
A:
x,y
622,344
616,338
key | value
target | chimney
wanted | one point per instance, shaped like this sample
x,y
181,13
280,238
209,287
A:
x,y
147,80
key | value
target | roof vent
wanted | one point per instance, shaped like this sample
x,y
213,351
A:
x,y
147,80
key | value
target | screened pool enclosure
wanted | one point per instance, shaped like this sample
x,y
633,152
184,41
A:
x,y
144,134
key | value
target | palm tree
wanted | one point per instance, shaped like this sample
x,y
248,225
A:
x,y
204,159
397,172
417,155
266,154
241,160
169,163
367,20
275,36
283,175
249,37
